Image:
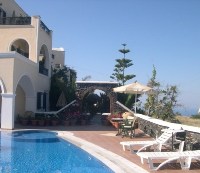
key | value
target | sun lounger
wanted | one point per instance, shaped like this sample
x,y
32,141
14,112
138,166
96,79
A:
x,y
166,139
185,158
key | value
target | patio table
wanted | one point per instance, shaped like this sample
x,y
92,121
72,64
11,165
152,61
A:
x,y
119,121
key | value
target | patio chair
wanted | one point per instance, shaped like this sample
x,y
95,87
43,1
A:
x,y
167,139
184,157
128,127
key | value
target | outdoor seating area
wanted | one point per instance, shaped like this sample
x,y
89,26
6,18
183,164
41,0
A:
x,y
125,123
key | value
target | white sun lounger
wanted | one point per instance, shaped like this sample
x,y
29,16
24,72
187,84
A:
x,y
166,139
184,158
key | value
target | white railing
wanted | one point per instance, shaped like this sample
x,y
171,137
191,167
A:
x,y
161,122
56,112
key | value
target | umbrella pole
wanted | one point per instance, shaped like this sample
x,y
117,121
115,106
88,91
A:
x,y
135,102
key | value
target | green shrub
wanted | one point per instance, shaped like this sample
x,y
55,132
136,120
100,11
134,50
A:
x,y
195,116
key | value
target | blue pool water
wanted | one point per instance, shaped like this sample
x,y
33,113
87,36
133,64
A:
x,y
44,152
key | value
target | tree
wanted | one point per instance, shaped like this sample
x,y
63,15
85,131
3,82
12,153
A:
x,y
86,78
121,65
168,102
152,99
161,102
62,80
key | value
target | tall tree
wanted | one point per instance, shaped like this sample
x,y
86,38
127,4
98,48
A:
x,y
121,65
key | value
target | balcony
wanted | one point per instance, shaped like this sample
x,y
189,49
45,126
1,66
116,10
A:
x,y
15,21
43,70
20,51
21,21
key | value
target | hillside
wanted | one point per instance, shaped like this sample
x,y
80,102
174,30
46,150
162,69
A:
x,y
188,121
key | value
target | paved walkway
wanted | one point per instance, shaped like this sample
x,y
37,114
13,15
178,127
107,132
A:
x,y
105,137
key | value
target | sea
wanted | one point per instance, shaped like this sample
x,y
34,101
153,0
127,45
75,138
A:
x,y
187,111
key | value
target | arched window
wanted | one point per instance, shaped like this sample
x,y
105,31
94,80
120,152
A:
x,y
21,46
43,60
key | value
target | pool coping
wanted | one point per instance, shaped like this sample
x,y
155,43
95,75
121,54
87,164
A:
x,y
115,162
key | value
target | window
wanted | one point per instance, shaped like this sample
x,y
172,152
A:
x,y
41,101
57,65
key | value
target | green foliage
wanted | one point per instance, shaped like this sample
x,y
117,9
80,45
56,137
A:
x,y
90,103
121,65
161,102
195,116
62,80
152,99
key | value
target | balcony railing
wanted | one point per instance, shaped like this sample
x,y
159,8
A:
x,y
15,20
44,27
20,51
21,21
43,70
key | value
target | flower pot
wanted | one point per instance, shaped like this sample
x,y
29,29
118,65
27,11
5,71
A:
x,y
83,122
73,122
34,122
66,123
54,122
47,122
41,122
24,122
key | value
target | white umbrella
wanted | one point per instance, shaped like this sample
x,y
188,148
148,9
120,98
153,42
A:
x,y
134,88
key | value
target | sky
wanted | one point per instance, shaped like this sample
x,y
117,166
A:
x,y
160,33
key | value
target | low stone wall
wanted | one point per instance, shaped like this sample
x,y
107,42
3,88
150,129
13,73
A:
x,y
192,140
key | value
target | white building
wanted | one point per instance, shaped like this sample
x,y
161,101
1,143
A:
x,y
26,57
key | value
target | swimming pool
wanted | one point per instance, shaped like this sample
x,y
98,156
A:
x,y
36,151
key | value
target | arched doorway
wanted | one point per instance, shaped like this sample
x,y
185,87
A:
x,y
95,101
84,88
25,99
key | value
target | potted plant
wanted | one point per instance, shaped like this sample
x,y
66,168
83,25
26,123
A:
x,y
48,120
54,120
83,120
34,121
24,120
73,119
41,121
66,122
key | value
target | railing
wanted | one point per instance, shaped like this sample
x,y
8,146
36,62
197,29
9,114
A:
x,y
44,27
56,112
43,70
154,126
20,51
161,122
15,21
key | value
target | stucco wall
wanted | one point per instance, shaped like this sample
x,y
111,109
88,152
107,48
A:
x,y
9,34
21,68
0,104
19,102
5,74
59,57
18,67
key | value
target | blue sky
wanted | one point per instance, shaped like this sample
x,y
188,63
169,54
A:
x,y
163,33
